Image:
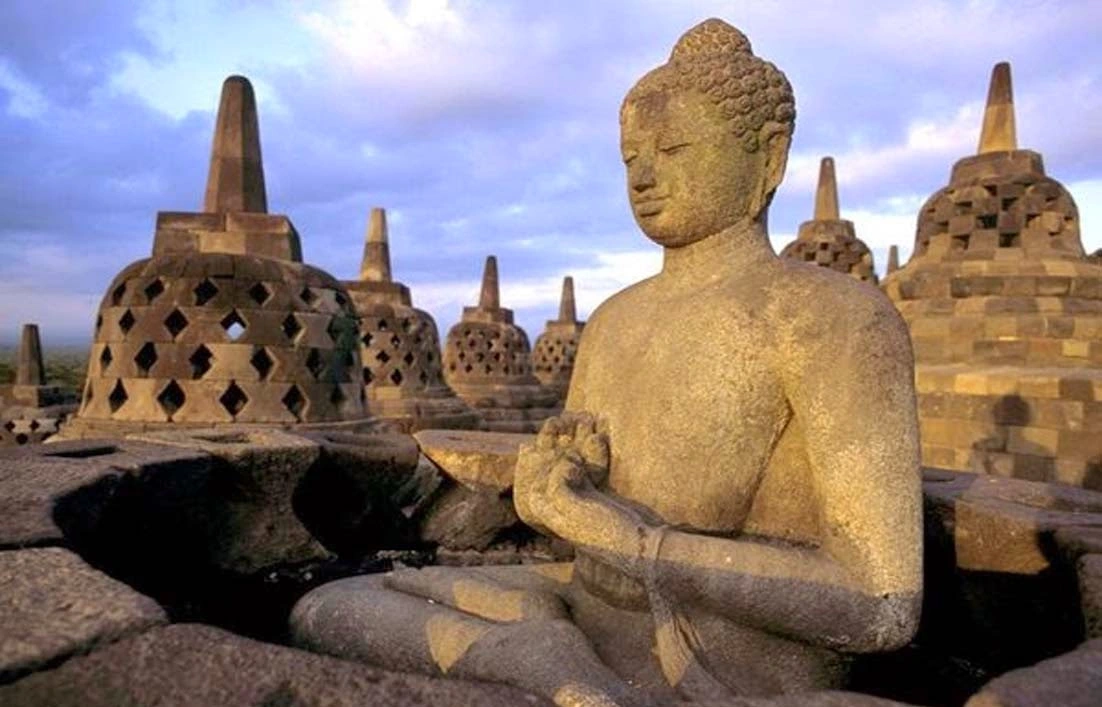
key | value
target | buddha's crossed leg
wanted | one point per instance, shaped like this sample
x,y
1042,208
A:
x,y
502,624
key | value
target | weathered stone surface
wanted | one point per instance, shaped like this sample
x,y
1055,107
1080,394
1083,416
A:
x,y
1089,568
255,477
478,460
713,559
1001,590
462,519
1070,680
57,493
198,665
52,605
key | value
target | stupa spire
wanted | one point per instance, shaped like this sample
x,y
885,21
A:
x,y
29,369
376,260
893,259
567,311
999,133
236,178
490,297
826,194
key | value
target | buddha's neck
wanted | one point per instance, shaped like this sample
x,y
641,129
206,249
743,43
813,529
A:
x,y
737,249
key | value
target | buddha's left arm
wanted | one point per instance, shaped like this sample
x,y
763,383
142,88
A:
x,y
860,589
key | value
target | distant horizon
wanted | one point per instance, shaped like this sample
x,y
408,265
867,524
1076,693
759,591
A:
x,y
488,128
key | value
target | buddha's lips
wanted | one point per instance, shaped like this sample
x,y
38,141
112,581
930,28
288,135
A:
x,y
648,206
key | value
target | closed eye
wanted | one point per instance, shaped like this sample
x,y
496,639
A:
x,y
674,147
629,156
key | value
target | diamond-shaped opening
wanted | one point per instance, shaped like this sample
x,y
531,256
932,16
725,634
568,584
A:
x,y
127,321
262,362
34,425
340,299
308,296
336,396
234,399
396,377
366,339
118,396
259,293
176,322
368,376
382,357
334,329
105,359
314,363
99,322
395,341
204,292
145,358
116,295
9,425
408,358
200,362
382,325
406,324
234,325
154,290
291,327
294,402
171,398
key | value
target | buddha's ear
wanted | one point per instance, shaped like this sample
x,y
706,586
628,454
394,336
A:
x,y
776,142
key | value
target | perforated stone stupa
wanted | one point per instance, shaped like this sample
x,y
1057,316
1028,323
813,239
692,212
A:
x,y
556,347
829,240
1005,315
487,362
224,324
403,375
31,410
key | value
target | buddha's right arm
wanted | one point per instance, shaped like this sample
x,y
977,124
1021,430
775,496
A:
x,y
794,591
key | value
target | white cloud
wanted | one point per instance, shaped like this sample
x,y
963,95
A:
x,y
24,99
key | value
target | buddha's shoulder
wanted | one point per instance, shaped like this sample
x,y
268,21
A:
x,y
809,296
624,305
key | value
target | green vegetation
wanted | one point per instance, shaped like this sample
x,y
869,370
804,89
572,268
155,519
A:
x,y
65,366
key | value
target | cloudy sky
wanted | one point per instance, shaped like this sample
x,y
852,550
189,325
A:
x,y
487,127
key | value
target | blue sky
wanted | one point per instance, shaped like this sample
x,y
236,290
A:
x,y
487,127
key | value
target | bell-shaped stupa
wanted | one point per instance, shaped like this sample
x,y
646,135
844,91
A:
x,y
403,374
556,347
828,240
487,362
30,409
1006,316
224,324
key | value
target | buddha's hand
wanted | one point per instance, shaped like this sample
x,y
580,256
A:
x,y
556,490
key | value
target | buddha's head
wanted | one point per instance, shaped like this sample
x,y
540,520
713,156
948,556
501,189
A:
x,y
705,137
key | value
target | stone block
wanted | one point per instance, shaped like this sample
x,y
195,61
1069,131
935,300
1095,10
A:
x,y
1070,680
477,460
464,519
190,664
54,605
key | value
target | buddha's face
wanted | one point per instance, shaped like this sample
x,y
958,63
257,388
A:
x,y
688,175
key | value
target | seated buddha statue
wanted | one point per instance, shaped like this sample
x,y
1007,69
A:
x,y
736,467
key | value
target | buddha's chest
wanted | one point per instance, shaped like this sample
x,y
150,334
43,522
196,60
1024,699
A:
x,y
694,407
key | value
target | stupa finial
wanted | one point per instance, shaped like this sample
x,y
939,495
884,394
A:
x,y
999,133
893,259
826,194
567,310
236,178
29,369
490,297
376,260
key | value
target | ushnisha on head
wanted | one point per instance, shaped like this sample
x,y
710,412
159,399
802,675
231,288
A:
x,y
705,137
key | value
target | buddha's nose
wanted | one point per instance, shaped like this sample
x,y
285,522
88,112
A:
x,y
641,175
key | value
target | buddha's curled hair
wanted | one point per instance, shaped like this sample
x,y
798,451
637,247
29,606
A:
x,y
715,59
